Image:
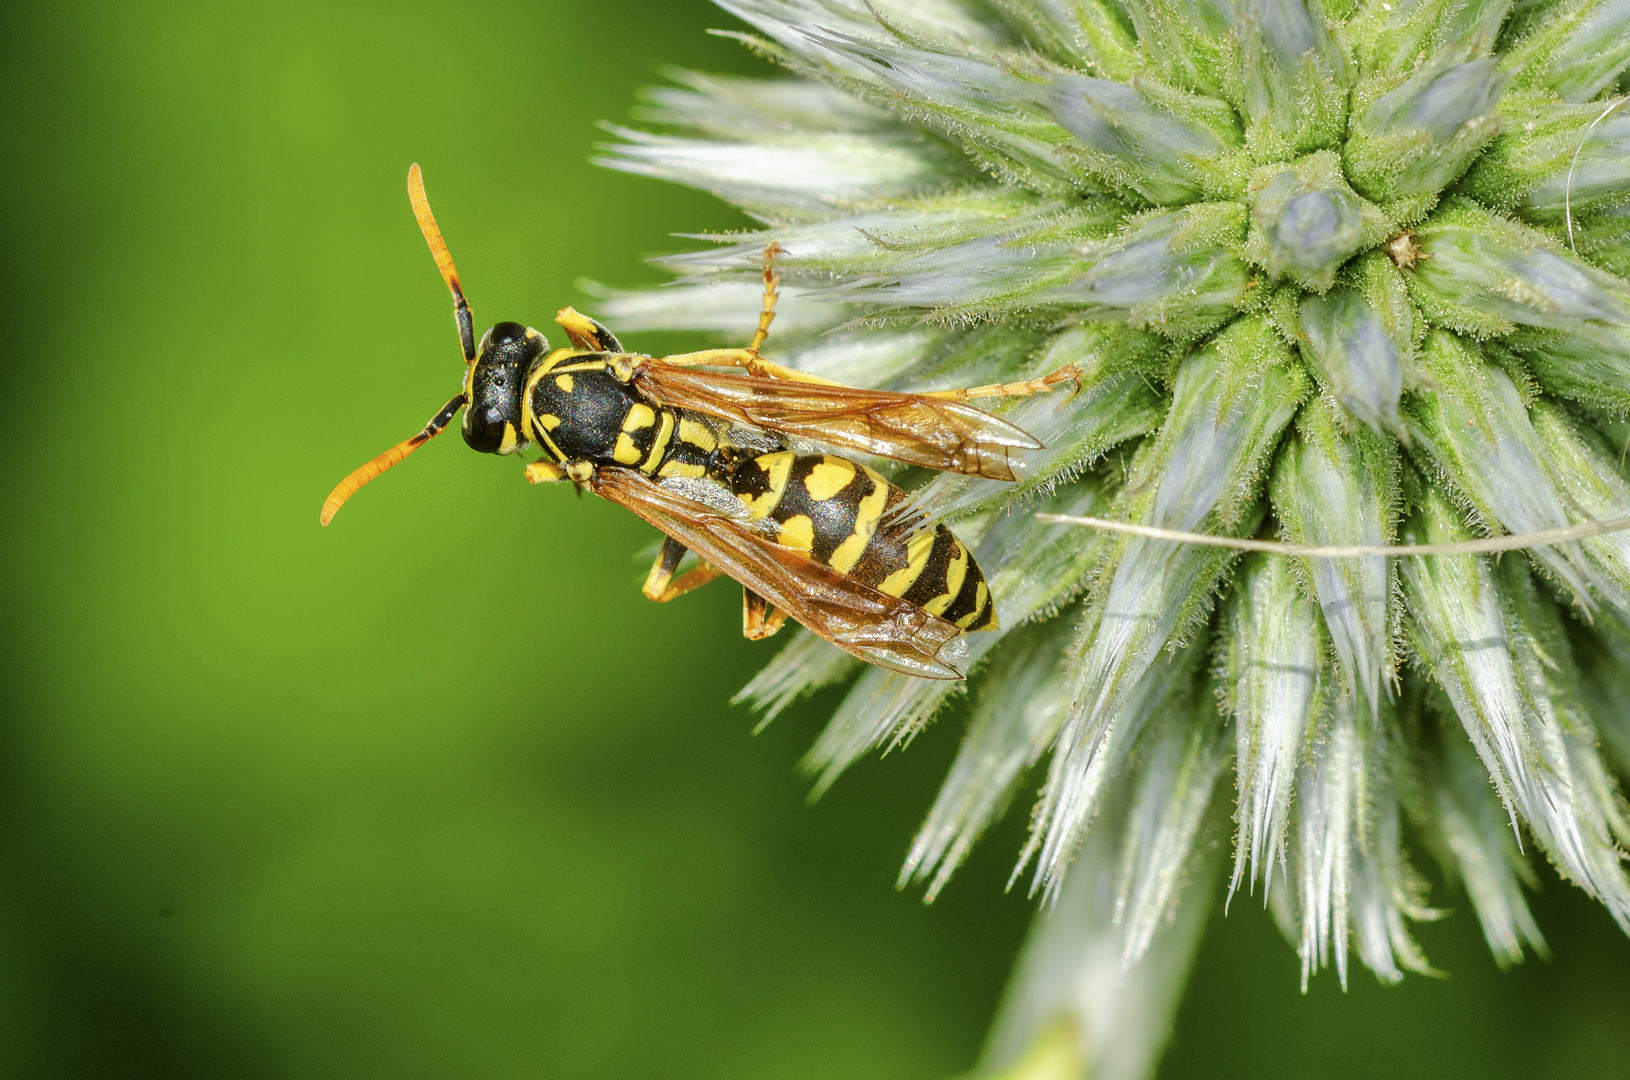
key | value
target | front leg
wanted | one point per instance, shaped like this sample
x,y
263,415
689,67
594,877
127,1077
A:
x,y
587,333
660,583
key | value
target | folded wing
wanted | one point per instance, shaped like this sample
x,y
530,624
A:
x,y
880,629
934,432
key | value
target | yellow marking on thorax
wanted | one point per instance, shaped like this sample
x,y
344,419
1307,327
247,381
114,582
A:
x,y
797,532
639,416
917,551
867,515
577,324
565,382
659,445
955,572
543,437
776,466
828,478
682,468
540,425
554,360
697,434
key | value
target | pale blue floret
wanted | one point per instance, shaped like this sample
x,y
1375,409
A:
x,y
1354,355
1439,103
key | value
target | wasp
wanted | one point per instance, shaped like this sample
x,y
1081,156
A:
x,y
707,456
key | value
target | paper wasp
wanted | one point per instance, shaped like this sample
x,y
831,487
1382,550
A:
x,y
702,455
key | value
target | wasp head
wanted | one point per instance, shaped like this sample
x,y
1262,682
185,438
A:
x,y
492,422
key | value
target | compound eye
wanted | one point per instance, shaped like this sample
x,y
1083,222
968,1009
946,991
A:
x,y
484,429
506,333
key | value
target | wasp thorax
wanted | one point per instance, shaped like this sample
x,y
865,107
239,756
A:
x,y
492,423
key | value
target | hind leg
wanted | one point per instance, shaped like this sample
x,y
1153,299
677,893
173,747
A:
x,y
758,619
1069,373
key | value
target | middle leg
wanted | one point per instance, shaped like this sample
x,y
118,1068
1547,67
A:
x,y
660,583
758,619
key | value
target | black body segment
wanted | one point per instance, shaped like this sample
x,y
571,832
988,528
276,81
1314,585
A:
x,y
582,412
582,407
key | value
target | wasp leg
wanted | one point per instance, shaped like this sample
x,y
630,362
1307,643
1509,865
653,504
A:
x,y
746,359
758,619
660,583
587,333
544,472
772,286
1069,373
749,357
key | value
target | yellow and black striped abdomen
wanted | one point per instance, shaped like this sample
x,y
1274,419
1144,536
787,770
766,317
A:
x,y
832,508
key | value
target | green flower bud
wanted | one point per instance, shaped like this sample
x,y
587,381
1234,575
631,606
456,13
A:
x,y
791,174
1306,222
1352,879
1553,160
1184,38
1583,467
1473,430
1413,139
1604,238
1591,365
1482,274
1270,666
1358,339
1088,34
1578,50
1348,346
1333,488
1177,273
1167,146
1019,267
980,101
1389,38
1478,845
1292,78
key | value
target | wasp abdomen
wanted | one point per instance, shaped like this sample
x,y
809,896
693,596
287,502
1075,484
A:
x,y
832,508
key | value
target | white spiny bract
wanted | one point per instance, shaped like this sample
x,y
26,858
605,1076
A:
x,y
1350,273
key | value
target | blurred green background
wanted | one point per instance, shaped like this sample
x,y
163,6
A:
x,y
435,792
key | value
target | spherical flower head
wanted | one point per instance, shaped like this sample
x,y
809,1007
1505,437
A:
x,y
1339,274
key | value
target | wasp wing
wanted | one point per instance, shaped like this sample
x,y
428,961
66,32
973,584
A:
x,y
934,432
880,629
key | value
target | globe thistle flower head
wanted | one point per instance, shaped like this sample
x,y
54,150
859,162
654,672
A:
x,y
1333,274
